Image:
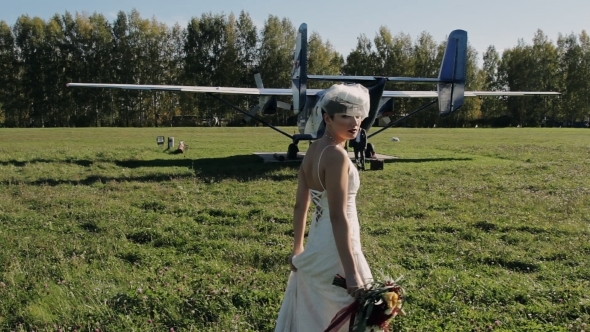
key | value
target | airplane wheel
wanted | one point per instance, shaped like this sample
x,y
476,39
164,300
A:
x,y
292,151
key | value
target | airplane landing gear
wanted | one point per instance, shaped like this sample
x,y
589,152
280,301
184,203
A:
x,y
292,151
293,148
370,151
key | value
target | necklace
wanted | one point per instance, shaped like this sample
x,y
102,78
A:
x,y
331,138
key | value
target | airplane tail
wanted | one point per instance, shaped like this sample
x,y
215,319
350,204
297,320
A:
x,y
451,78
450,81
267,105
261,100
299,76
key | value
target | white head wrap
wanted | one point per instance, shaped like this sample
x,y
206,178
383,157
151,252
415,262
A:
x,y
350,99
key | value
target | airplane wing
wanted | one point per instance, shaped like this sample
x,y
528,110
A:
x,y
508,93
196,89
289,92
434,94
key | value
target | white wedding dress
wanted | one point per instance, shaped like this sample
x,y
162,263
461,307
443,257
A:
x,y
311,301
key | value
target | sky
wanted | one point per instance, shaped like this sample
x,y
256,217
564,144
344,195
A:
x,y
500,23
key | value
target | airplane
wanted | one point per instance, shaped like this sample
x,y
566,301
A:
x,y
450,92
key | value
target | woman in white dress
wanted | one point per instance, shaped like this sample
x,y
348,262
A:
x,y
331,180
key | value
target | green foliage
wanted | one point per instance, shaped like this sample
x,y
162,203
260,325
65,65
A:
x,y
494,106
530,68
39,57
574,76
323,60
276,54
102,229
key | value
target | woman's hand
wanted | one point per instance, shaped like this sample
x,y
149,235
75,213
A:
x,y
295,252
355,287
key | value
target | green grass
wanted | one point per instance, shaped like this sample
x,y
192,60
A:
x,y
102,229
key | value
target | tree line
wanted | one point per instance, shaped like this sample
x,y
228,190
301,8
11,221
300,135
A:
x,y
39,57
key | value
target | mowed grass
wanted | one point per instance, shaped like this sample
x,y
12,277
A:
x,y
102,229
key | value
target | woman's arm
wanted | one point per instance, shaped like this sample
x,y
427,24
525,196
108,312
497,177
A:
x,y
300,214
336,179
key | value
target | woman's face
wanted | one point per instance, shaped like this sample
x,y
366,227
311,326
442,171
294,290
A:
x,y
344,126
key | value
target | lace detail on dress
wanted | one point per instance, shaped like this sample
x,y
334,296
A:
x,y
316,197
319,198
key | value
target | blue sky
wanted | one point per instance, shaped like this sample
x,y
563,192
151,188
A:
x,y
500,23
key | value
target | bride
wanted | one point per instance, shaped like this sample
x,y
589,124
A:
x,y
331,180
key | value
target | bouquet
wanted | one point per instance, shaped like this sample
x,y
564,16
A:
x,y
373,312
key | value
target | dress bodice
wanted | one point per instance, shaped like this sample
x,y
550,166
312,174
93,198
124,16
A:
x,y
320,198
321,215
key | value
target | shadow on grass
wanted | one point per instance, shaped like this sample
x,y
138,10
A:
x,y
83,163
424,160
513,265
209,170
98,179
240,167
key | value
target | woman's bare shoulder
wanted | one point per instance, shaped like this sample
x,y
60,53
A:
x,y
325,154
334,157
336,154
309,154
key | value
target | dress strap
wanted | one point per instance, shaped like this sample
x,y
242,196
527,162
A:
x,y
320,159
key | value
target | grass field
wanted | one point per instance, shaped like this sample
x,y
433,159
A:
x,y
102,229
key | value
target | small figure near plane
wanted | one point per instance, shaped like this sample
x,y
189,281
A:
x,y
359,145
181,148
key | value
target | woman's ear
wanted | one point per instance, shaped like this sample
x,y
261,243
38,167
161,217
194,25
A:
x,y
326,117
